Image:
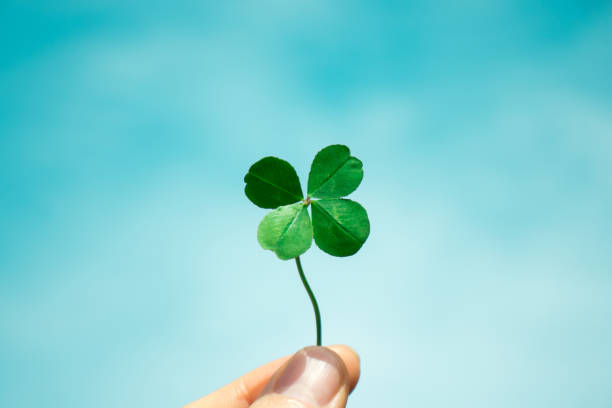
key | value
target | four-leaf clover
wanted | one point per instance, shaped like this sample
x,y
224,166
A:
x,y
340,226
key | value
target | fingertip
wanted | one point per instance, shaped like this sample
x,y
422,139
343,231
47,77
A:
x,y
351,360
313,377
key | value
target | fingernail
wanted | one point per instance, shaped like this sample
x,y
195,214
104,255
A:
x,y
313,375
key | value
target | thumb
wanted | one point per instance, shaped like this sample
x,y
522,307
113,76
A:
x,y
315,377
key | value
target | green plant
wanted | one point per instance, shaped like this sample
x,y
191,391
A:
x,y
339,226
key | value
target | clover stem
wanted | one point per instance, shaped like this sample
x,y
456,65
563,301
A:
x,y
312,298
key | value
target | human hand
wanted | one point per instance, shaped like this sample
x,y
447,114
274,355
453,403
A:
x,y
314,377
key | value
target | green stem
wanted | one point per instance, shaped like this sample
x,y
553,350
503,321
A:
x,y
312,299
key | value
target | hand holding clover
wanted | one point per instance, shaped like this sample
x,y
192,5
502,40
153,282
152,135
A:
x,y
339,226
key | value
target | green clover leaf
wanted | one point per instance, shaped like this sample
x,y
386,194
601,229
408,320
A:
x,y
334,173
339,226
287,231
272,182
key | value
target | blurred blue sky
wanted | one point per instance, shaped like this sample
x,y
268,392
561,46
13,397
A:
x,y
129,267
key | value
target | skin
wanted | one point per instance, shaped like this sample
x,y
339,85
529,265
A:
x,y
244,391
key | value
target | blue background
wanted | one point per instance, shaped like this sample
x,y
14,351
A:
x,y
130,271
